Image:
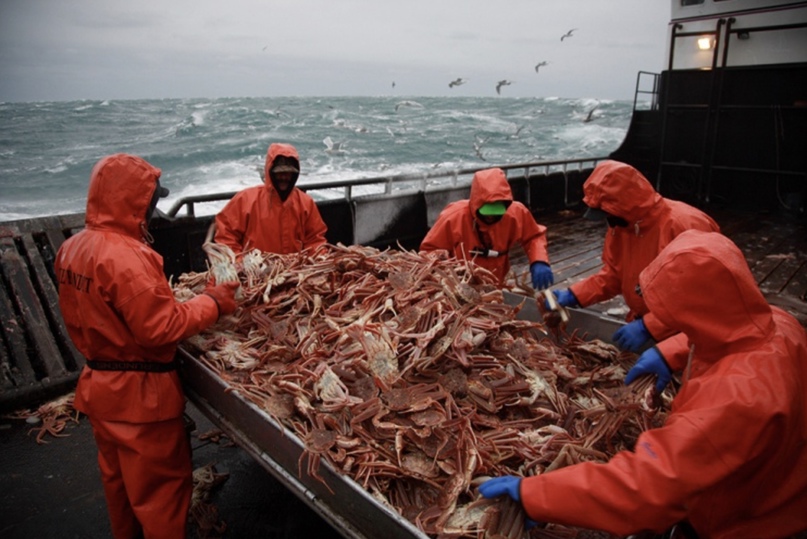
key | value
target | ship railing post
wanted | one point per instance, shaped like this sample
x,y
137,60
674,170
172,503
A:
x,y
565,186
529,186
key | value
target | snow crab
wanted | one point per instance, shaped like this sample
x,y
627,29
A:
x,y
408,373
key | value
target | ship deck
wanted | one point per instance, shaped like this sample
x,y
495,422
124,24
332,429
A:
x,y
774,246
53,490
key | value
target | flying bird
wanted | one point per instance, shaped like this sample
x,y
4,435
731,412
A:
x,y
590,114
503,82
567,34
458,82
518,131
393,84
333,148
478,143
539,65
400,104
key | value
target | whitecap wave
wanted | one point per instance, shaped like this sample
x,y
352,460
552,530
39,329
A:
x,y
206,146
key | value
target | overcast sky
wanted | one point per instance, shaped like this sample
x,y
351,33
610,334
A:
x,y
115,49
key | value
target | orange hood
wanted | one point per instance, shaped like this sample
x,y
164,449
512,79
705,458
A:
x,y
276,150
121,188
489,185
621,190
700,284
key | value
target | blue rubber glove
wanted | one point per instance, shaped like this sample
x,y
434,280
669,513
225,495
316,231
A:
x,y
632,336
506,484
565,298
541,275
651,362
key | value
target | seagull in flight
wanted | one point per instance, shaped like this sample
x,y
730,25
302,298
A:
x,y
503,82
400,104
458,82
333,148
478,143
518,131
567,34
591,114
539,65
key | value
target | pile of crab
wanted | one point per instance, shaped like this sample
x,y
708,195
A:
x,y
51,418
410,374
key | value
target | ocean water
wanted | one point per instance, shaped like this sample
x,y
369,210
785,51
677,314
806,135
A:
x,y
203,146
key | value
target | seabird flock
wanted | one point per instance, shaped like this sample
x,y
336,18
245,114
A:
x,y
504,82
459,81
337,148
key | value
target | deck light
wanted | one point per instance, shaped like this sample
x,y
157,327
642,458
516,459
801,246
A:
x,y
705,43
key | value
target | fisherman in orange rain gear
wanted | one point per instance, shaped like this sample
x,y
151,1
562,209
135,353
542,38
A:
x,y
731,458
121,314
276,217
485,227
640,224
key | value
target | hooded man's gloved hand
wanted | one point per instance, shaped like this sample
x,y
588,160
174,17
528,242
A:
x,y
651,362
541,275
224,296
632,336
506,484
565,298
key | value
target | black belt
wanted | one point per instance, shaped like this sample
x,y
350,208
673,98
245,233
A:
x,y
682,530
141,366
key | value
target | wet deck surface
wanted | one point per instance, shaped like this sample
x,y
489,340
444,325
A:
x,y
53,491
774,246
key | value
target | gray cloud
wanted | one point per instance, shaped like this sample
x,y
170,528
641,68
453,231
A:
x,y
95,49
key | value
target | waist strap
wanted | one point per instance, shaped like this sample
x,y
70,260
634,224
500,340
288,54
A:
x,y
142,366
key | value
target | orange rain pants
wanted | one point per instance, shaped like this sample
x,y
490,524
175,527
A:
x,y
147,476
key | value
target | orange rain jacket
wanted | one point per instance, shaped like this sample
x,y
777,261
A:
x,y
731,457
458,231
653,222
118,305
256,218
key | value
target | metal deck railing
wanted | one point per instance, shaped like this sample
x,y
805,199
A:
x,y
404,183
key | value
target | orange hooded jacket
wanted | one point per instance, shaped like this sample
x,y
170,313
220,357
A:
x,y
731,457
653,222
256,218
458,231
118,305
